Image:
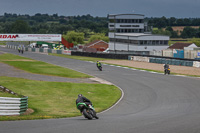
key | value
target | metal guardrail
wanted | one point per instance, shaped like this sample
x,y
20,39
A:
x,y
12,106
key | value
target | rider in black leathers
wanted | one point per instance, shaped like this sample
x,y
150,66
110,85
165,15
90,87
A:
x,y
166,67
82,99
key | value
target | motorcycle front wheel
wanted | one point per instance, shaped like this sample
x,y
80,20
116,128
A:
x,y
87,114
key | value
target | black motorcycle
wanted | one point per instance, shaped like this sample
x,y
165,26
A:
x,y
88,111
167,71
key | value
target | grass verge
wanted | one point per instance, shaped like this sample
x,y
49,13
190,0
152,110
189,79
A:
x,y
57,99
2,43
38,67
5,94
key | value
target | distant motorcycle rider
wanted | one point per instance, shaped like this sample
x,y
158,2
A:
x,y
166,67
98,64
19,48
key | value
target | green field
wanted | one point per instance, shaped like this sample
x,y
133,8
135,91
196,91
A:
x,y
57,99
2,43
39,67
53,99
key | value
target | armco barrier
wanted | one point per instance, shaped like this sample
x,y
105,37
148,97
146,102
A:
x,y
12,106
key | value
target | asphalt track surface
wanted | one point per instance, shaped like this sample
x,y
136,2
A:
x,y
152,103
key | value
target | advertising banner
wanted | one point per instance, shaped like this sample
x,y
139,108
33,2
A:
x,y
30,37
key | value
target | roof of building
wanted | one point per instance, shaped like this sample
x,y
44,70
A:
x,y
95,42
180,45
137,34
124,14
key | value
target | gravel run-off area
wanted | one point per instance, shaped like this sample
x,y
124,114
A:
x,y
185,70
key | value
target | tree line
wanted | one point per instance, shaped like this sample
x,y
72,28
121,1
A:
x,y
89,25
165,25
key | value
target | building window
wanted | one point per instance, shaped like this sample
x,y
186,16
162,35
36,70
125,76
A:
x,y
161,42
157,42
149,42
166,42
141,42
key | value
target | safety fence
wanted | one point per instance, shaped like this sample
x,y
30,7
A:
x,y
12,106
165,61
41,50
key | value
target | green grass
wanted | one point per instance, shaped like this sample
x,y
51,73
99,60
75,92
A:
x,y
57,99
2,43
39,67
5,94
84,58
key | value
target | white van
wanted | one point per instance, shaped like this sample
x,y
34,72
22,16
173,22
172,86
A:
x,y
44,46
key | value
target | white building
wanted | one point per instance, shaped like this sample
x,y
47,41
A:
x,y
128,32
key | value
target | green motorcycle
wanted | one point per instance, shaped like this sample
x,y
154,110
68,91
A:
x,y
88,111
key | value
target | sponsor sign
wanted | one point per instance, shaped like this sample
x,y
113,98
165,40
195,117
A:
x,y
68,52
198,53
30,37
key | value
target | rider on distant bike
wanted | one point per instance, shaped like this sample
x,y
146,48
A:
x,y
166,67
98,64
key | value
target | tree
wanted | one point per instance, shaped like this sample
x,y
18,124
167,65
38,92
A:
x,y
74,37
161,32
188,32
173,33
20,26
196,41
99,36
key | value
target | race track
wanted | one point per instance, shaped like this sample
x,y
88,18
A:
x,y
152,103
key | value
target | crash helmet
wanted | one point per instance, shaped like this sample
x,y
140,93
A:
x,y
80,95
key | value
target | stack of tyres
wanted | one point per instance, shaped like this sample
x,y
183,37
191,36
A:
x,y
152,60
163,61
173,62
177,62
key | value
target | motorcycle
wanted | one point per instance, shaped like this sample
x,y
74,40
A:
x,y
88,111
167,71
100,68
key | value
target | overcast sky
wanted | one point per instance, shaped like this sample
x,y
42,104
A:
x,y
149,8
